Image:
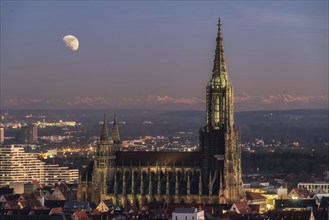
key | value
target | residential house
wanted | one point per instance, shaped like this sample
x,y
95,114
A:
x,y
295,204
9,201
241,208
256,199
300,215
62,192
300,193
318,197
105,206
80,215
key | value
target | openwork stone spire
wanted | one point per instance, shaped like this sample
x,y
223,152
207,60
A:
x,y
219,62
220,91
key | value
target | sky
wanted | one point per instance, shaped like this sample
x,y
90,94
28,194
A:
x,y
159,54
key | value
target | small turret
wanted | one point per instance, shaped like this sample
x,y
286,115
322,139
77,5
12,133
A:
x,y
105,133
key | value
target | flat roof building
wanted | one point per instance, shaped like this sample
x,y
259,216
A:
x,y
317,187
187,214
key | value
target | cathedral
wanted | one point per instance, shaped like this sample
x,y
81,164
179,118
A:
x,y
210,175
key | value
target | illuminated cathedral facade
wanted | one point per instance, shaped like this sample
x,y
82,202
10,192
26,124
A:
x,y
210,175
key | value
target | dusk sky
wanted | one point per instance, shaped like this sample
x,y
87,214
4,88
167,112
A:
x,y
159,55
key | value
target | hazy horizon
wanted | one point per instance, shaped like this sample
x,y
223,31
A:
x,y
157,110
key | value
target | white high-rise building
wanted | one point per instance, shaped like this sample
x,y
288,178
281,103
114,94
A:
x,y
2,135
53,173
19,166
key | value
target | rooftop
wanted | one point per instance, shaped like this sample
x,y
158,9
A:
x,y
186,210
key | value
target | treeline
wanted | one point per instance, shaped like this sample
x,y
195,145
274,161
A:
x,y
285,162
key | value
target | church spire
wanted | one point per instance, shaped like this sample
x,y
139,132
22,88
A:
x,y
219,62
115,130
104,133
219,91
115,119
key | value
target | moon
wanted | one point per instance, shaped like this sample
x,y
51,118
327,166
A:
x,y
71,42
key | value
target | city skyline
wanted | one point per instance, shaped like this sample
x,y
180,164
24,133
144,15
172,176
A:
x,y
159,55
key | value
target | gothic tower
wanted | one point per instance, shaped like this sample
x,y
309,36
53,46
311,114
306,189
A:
x,y
115,131
220,152
104,163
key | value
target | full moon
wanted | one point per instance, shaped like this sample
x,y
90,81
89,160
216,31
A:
x,y
71,42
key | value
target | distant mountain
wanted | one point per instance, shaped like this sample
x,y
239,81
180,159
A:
x,y
307,125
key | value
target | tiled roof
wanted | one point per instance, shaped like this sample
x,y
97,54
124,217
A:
x,y
75,205
254,196
95,212
11,204
241,204
144,158
24,195
23,203
67,192
56,210
54,203
6,190
242,207
11,197
81,215
37,184
302,192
